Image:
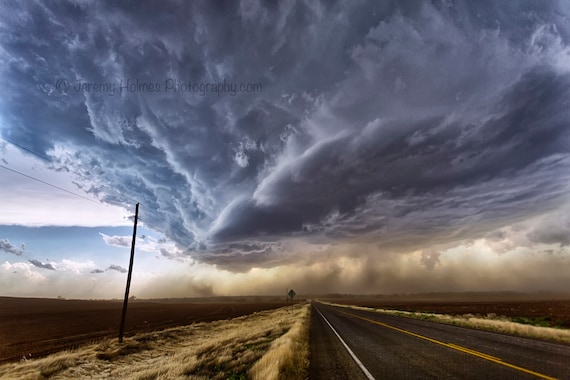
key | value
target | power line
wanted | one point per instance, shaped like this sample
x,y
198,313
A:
x,y
49,184
27,149
45,158
71,192
51,161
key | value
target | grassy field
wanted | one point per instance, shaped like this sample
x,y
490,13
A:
x,y
539,309
268,345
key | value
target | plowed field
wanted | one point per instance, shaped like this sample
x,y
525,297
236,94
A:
x,y
42,326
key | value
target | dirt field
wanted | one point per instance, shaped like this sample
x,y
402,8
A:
x,y
42,326
532,309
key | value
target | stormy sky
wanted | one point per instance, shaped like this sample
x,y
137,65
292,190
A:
x,y
329,146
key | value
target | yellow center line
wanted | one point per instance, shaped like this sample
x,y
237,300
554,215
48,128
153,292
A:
x,y
454,347
473,352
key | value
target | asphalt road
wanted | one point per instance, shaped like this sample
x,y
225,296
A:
x,y
390,347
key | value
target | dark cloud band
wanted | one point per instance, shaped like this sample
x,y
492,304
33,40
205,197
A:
x,y
408,124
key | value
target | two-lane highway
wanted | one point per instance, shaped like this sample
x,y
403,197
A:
x,y
356,344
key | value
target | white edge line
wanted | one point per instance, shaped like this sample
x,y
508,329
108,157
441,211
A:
x,y
362,367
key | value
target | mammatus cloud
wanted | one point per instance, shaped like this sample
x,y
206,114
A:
x,y
431,123
8,247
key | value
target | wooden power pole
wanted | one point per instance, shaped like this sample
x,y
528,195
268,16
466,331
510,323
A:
x,y
126,301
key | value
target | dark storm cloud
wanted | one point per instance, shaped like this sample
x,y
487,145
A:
x,y
242,256
39,264
430,258
8,247
96,271
118,268
407,124
552,230
168,254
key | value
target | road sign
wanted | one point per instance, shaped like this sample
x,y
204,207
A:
x,y
291,293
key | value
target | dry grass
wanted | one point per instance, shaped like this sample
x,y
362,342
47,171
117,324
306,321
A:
x,y
225,349
288,356
490,323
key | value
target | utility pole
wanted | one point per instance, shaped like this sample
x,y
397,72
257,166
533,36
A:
x,y
126,301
